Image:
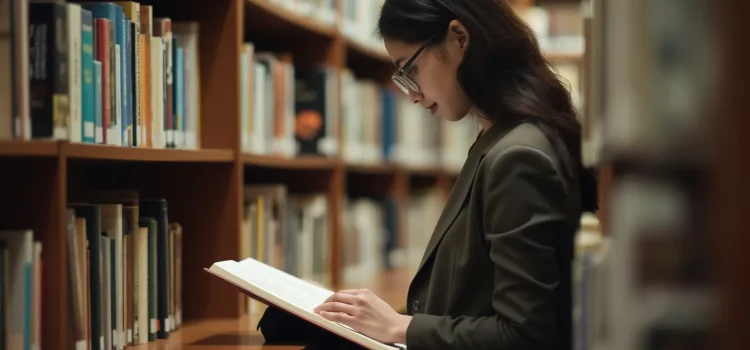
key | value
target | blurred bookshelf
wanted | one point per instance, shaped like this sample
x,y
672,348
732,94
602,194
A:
x,y
290,147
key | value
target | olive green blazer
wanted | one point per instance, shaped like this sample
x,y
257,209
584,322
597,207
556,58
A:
x,y
496,271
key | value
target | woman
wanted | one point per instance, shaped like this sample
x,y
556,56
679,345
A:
x,y
496,272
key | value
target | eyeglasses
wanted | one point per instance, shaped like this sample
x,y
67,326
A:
x,y
401,77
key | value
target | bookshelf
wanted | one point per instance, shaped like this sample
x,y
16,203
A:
x,y
203,185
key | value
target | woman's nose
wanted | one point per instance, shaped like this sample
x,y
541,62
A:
x,y
415,96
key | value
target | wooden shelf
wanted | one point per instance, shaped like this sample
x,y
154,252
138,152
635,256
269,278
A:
x,y
297,163
355,48
371,169
29,148
261,15
104,152
239,333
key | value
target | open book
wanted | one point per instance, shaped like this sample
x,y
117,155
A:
x,y
274,287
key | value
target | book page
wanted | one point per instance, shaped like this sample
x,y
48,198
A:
x,y
278,283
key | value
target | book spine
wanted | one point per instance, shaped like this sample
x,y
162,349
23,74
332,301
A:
x,y
157,82
114,113
146,71
179,93
74,71
133,12
87,77
98,101
101,53
124,108
168,89
127,125
48,70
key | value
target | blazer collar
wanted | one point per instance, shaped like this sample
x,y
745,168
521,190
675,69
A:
x,y
461,188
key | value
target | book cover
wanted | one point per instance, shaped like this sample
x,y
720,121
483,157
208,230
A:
x,y
146,71
163,29
132,11
48,70
105,46
88,107
98,130
91,213
157,209
74,71
102,54
179,95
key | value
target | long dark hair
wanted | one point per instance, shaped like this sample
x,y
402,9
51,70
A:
x,y
503,73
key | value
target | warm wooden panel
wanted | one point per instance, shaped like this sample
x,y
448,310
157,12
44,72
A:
x,y
298,163
28,148
32,196
104,152
730,203
263,15
366,62
239,334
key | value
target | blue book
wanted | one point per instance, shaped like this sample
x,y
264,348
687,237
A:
x,y
98,101
388,132
87,77
108,10
122,34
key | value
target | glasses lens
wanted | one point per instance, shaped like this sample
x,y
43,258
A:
x,y
405,83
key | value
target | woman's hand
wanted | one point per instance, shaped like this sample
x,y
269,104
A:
x,y
365,312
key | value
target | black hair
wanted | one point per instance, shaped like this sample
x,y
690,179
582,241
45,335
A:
x,y
503,73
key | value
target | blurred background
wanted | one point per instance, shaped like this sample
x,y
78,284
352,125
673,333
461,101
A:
x,y
146,140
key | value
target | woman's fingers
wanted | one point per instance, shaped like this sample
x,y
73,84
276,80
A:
x,y
336,307
342,297
339,317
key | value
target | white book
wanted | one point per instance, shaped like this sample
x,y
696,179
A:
x,y
187,37
18,247
75,124
114,137
274,287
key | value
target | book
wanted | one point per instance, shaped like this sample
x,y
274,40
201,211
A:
x,y
277,288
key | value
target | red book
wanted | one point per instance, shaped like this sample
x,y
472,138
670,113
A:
x,y
101,54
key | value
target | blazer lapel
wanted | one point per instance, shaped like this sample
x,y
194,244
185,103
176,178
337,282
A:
x,y
460,190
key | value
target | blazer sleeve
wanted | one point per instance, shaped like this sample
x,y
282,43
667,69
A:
x,y
524,208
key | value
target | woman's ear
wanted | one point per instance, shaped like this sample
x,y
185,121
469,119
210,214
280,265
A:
x,y
458,35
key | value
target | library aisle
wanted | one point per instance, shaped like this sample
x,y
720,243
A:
x,y
143,141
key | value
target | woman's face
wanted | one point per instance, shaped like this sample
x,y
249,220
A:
x,y
434,70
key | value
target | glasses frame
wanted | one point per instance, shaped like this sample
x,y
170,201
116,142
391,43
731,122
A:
x,y
403,80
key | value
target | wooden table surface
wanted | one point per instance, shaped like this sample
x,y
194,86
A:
x,y
216,334
230,334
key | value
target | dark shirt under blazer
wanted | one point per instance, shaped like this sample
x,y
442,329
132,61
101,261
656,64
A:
x,y
496,271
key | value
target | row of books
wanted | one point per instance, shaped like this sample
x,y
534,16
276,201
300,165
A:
x,y
558,27
100,73
323,11
125,269
370,238
381,124
359,22
286,110
286,231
